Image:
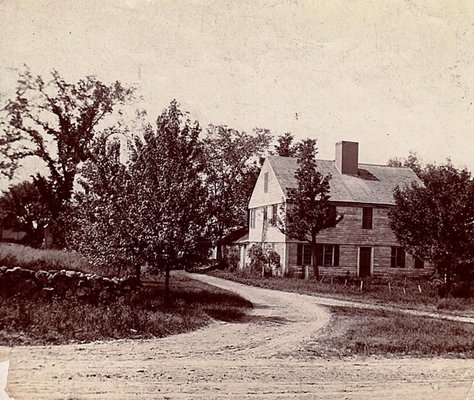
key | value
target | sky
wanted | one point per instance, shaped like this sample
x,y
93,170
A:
x,y
394,75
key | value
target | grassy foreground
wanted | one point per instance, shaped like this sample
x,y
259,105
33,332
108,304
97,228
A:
x,y
60,321
373,332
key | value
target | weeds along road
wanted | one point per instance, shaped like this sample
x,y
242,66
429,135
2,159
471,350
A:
x,y
258,358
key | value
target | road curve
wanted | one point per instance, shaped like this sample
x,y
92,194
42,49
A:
x,y
248,360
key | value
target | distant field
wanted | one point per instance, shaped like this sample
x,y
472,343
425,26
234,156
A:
x,y
15,255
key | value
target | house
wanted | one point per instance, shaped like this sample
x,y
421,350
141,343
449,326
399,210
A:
x,y
362,244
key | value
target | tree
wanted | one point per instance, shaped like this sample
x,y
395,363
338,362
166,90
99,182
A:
x,y
22,209
435,221
412,161
308,210
167,168
57,122
285,146
106,214
232,168
8,156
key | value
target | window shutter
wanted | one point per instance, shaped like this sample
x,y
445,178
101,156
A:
x,y
401,258
265,182
274,213
393,258
252,218
299,254
336,255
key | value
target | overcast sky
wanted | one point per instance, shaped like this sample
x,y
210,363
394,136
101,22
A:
x,y
393,75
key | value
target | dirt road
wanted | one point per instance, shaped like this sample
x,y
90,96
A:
x,y
254,359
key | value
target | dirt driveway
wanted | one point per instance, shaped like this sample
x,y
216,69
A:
x,y
254,359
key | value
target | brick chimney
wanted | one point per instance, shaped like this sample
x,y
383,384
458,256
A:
x,y
347,157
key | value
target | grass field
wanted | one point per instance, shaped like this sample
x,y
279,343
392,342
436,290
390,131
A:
x,y
59,321
15,255
373,332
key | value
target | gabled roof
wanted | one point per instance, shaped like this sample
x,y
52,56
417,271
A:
x,y
373,185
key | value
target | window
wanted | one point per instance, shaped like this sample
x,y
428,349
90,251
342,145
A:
x,y
273,218
252,218
265,182
327,254
397,259
367,214
330,255
303,254
419,264
265,214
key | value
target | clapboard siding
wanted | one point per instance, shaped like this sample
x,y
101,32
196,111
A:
x,y
349,230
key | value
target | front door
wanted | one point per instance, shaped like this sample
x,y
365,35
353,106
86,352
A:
x,y
365,261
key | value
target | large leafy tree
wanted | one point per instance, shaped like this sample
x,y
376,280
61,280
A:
x,y
22,208
106,214
308,210
231,169
57,122
435,221
151,210
167,168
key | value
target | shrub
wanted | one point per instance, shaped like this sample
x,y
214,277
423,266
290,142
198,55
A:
x,y
231,257
263,260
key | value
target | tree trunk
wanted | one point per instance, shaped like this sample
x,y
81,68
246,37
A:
x,y
314,257
219,254
138,272
448,270
167,285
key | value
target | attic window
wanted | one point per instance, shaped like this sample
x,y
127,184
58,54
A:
x,y
265,182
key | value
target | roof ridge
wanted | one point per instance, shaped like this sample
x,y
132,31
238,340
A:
x,y
325,159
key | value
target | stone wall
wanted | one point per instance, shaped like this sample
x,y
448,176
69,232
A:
x,y
72,284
